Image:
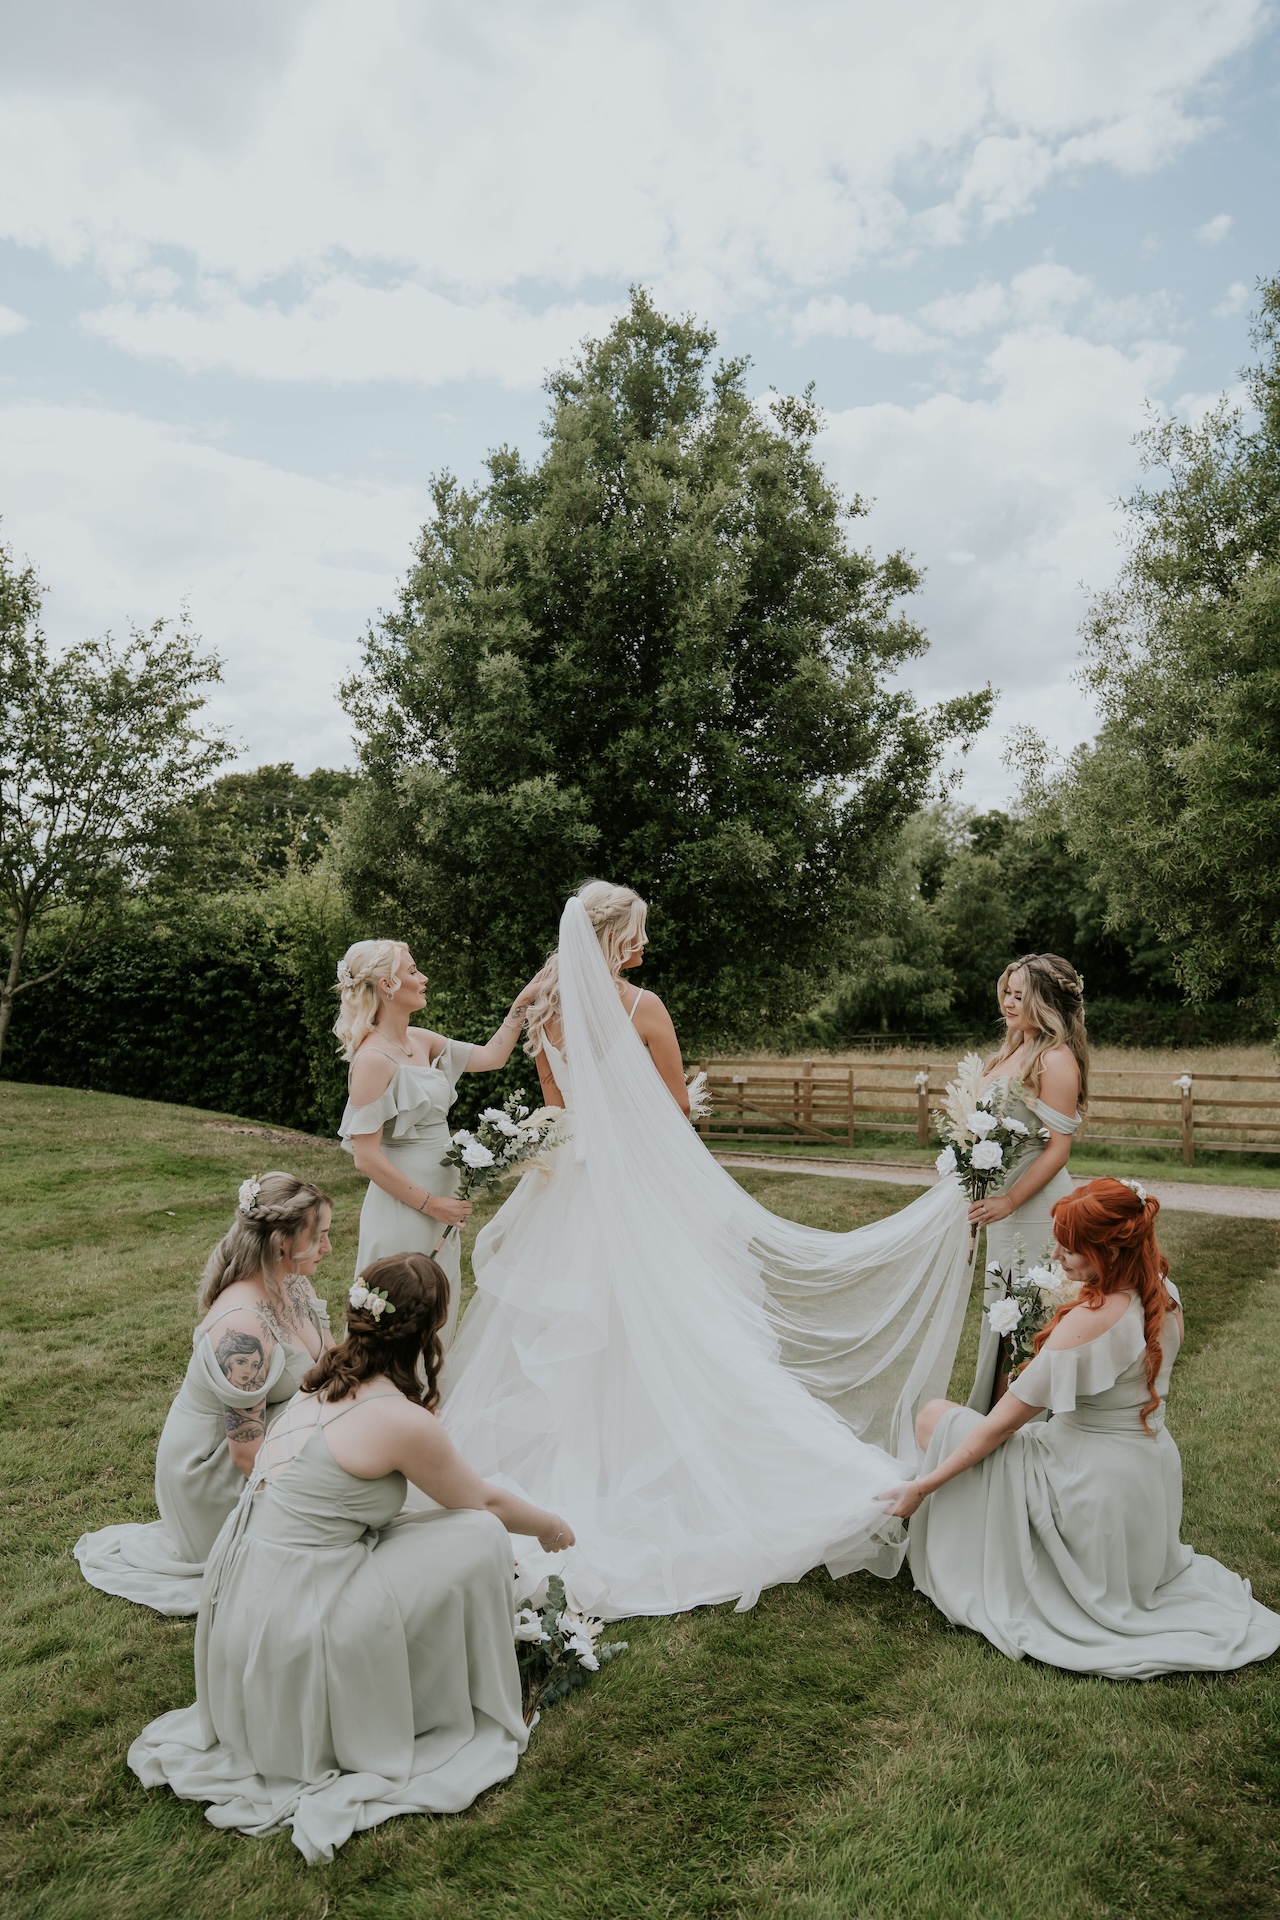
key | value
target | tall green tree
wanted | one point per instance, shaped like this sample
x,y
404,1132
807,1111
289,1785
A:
x,y
96,745
1176,805
246,829
652,655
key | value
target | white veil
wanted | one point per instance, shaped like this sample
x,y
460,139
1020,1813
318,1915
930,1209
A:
x,y
869,1321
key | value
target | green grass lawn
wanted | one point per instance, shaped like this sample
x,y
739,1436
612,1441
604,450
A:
x,y
840,1753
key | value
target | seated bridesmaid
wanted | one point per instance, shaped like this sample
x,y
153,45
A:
x,y
263,1328
352,1665
403,1081
1061,1540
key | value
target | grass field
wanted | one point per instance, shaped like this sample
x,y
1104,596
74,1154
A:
x,y
840,1753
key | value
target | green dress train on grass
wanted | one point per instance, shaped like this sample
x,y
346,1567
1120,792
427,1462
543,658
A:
x,y
1064,1544
1031,1223
413,1117
350,1666
160,1564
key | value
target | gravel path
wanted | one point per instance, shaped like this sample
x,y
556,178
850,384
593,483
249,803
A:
x,y
1181,1196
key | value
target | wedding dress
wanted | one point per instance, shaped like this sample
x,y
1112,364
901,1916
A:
x,y
713,1396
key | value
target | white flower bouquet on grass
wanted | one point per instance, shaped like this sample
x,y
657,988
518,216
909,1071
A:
x,y
557,1648
983,1141
1031,1297
504,1138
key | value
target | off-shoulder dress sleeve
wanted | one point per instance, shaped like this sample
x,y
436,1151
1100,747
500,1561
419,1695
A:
x,y
370,1118
1057,1377
1057,1122
452,1061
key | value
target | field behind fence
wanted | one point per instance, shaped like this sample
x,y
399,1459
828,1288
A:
x,y
1212,1100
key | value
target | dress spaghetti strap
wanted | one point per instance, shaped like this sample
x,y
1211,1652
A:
x,y
635,1003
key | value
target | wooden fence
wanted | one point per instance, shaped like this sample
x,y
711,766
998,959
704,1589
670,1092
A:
x,y
835,1103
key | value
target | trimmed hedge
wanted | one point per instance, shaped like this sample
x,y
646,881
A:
x,y
225,1004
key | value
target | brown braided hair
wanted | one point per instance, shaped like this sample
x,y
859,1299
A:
x,y
1105,1219
1053,999
393,1343
284,1208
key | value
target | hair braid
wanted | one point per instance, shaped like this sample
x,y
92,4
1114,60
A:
x,y
391,1344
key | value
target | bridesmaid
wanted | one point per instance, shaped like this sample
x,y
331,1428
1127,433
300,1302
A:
x,y
402,1082
262,1329
1060,1540
350,1665
1045,1060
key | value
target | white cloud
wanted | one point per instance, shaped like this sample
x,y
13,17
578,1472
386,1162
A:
x,y
1235,301
125,520
345,331
725,151
1215,230
11,322
1046,295
1008,500
845,319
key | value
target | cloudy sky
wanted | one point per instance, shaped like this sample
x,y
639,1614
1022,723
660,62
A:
x,y
267,265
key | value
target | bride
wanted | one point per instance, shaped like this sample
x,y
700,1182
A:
x,y
716,1395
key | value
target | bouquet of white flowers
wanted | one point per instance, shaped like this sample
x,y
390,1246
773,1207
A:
x,y
983,1140
557,1648
505,1138
1031,1297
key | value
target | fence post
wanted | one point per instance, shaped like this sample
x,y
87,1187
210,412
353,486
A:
x,y
740,1081
807,1072
851,1094
1183,1084
922,1107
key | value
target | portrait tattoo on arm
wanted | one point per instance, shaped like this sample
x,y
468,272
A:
x,y
245,1425
243,1360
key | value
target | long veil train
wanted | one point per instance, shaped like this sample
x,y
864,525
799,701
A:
x,y
713,1395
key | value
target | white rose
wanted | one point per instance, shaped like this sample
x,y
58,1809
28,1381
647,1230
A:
x,y
529,1627
461,1137
502,1121
1016,1126
1003,1316
1040,1276
358,1296
474,1154
946,1161
981,1123
987,1155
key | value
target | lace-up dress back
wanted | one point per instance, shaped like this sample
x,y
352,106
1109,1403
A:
x,y
1065,1543
160,1564
352,1662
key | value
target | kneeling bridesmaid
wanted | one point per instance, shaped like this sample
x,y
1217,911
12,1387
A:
x,y
263,1329
352,1663
1061,1540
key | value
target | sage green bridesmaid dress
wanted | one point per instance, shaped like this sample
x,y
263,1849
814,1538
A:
x,y
1064,1545
349,1666
160,1564
1031,1223
413,1116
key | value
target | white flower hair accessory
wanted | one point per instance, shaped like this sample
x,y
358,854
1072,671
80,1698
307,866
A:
x,y
345,976
247,1198
372,1300
1137,1188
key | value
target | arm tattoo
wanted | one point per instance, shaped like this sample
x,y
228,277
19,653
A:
x,y
243,1360
245,1425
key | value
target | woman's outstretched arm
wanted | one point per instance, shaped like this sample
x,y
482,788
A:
x,y
1005,1418
497,1050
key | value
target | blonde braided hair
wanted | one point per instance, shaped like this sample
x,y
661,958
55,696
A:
x,y
359,971
283,1209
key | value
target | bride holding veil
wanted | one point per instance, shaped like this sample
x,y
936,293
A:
x,y
714,1395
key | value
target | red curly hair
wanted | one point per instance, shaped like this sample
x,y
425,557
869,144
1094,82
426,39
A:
x,y
1106,1220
